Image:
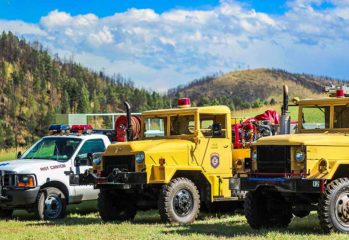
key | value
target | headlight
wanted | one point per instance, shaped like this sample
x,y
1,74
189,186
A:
x,y
254,155
97,161
25,181
300,155
139,157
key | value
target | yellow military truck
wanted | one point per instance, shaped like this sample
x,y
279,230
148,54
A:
x,y
294,174
183,160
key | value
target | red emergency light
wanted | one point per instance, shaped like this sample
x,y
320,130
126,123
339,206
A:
x,y
340,92
184,102
83,128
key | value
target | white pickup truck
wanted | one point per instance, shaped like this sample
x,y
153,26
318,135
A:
x,y
39,180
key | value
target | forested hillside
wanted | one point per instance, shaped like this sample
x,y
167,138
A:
x,y
34,86
250,88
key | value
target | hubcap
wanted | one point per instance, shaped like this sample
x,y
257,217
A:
x,y
342,209
53,207
183,202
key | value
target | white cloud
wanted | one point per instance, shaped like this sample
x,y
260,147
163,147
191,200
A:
x,y
163,50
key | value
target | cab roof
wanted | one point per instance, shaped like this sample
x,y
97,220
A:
x,y
83,136
324,101
189,110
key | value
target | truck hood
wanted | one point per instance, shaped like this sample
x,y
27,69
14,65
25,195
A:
x,y
162,145
30,165
320,139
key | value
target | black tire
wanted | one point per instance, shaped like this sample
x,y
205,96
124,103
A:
x,y
255,210
267,211
116,207
179,201
6,213
50,204
301,213
333,209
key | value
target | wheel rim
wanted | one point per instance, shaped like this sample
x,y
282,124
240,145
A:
x,y
53,207
183,202
342,209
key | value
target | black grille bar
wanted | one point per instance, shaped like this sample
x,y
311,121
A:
x,y
274,159
123,163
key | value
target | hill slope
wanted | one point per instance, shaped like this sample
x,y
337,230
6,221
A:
x,y
250,88
35,86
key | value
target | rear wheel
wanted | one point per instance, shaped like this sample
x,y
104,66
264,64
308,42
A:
x,y
333,211
116,206
6,213
50,204
179,201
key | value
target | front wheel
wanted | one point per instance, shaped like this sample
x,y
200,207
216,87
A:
x,y
179,201
116,206
333,211
6,213
267,209
50,204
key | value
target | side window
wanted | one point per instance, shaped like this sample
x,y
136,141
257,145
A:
x,y
341,117
91,146
213,125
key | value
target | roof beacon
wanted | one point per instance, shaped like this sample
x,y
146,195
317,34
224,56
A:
x,y
58,128
82,129
184,103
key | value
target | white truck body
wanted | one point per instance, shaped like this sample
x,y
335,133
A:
x,y
48,173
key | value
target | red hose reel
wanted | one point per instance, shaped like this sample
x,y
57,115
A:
x,y
121,126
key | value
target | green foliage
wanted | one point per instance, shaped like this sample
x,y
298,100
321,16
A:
x,y
250,88
34,86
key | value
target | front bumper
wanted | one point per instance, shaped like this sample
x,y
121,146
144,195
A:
x,y
292,185
118,180
16,197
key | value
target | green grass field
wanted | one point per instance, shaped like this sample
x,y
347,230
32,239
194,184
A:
x,y
147,225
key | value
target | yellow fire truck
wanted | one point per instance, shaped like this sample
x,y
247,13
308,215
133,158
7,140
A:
x,y
184,159
294,174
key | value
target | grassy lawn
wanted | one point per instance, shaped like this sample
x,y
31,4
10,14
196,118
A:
x,y
10,154
147,225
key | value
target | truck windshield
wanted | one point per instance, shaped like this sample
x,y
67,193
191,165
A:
x,y
155,127
316,117
341,116
182,125
60,149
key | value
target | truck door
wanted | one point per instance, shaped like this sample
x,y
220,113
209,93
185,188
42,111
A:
x,y
215,146
87,192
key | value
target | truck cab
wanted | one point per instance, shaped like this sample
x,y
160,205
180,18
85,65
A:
x,y
38,181
183,159
293,174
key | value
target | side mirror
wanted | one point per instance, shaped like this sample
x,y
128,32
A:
x,y
77,161
89,159
19,155
216,130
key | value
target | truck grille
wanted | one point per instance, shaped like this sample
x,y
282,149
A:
x,y
274,159
123,163
7,178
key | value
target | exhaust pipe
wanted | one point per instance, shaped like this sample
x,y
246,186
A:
x,y
285,127
129,133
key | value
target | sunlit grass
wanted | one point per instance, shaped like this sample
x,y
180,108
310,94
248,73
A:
x,y
147,225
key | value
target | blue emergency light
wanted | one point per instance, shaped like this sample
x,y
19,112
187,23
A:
x,y
59,128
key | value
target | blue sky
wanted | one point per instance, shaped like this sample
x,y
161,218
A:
x,y
161,43
18,9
